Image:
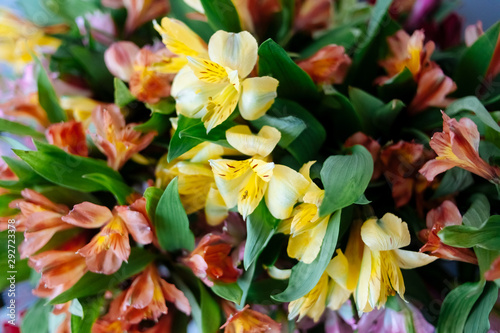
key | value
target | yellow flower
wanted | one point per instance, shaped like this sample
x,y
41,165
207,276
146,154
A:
x,y
244,183
79,108
306,228
382,261
313,303
19,37
211,88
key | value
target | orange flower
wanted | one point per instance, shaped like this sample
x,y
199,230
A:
x,y
247,321
432,89
5,174
211,261
117,140
60,269
69,136
401,162
40,218
144,299
25,107
438,218
457,146
329,65
312,15
408,52
110,247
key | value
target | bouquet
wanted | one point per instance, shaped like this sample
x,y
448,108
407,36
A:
x,y
248,166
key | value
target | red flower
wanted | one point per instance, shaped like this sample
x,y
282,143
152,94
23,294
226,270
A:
x,y
445,215
211,261
69,136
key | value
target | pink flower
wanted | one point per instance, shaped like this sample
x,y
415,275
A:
x,y
117,140
329,65
312,15
457,146
438,218
139,11
473,32
102,26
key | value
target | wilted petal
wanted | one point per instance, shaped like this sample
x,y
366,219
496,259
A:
x,y
237,51
262,144
257,96
119,59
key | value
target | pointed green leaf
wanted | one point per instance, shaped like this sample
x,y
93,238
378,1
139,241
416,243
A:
x,y
222,15
123,96
120,190
478,320
230,291
12,127
171,222
487,236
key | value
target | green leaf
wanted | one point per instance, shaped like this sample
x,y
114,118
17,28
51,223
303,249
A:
x,y
171,222
19,129
191,132
120,190
454,180
343,119
158,122
230,291
91,307
152,196
67,170
478,321
93,283
375,115
345,179
294,83
457,305
47,95
471,69
5,200
289,126
343,36
123,96
222,15
304,277
472,104
210,311
402,86
260,228
306,145
478,212
20,266
487,236
180,10
165,106
36,318
245,281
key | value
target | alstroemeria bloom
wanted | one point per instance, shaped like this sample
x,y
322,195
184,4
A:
x,y
69,136
457,146
247,320
401,162
329,65
211,261
146,298
60,268
25,106
313,303
438,218
139,11
306,228
40,218
117,140
312,15
244,183
110,247
344,269
407,52
21,37
137,66
102,26
383,259
211,89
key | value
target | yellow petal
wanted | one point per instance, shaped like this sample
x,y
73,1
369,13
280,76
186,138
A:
x,y
365,287
285,188
304,217
229,169
338,296
203,152
410,259
220,106
207,71
305,246
354,254
312,304
179,39
192,95
170,65
257,96
262,168
387,233
278,274
251,194
285,226
215,207
242,139
338,269
237,51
